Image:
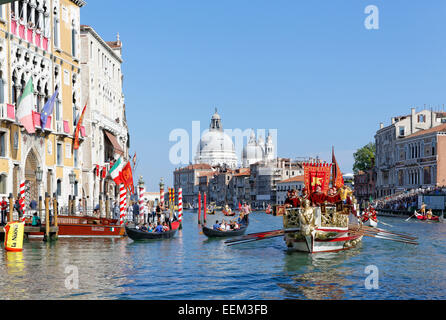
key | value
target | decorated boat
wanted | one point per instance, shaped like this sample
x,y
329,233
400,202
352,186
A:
x,y
84,227
323,219
269,210
137,235
228,212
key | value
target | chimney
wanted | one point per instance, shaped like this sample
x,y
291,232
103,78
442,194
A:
x,y
393,121
381,125
412,120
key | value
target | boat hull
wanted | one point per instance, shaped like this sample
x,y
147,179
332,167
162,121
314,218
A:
x,y
137,235
371,223
211,233
84,227
322,241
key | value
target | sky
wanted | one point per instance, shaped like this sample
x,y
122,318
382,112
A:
x,y
310,69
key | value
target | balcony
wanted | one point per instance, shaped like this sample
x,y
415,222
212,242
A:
x,y
29,34
7,112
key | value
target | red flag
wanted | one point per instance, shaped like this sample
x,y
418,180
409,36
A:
x,y
317,175
127,177
78,127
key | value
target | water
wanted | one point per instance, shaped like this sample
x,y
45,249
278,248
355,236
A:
x,y
192,267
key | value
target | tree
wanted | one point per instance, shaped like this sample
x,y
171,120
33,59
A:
x,y
364,158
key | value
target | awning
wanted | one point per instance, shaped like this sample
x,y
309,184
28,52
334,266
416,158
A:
x,y
116,146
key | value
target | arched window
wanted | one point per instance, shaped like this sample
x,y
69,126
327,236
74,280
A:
x,y
59,187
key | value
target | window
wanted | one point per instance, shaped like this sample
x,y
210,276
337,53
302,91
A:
x,y
56,31
2,184
401,129
421,118
59,188
76,189
59,154
75,156
2,144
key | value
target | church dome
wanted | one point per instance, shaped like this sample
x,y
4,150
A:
x,y
252,152
216,147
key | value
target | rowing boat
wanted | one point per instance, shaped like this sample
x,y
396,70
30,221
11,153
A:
x,y
211,233
136,235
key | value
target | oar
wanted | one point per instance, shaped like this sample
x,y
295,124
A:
x,y
255,235
410,218
253,240
384,238
377,230
385,224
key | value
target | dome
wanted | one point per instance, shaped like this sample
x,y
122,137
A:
x,y
252,152
216,147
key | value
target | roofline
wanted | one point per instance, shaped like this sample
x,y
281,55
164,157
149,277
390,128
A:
x,y
90,29
79,3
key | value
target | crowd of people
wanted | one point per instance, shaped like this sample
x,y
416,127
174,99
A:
x,y
407,201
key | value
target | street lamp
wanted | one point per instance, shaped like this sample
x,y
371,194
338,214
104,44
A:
x,y
72,177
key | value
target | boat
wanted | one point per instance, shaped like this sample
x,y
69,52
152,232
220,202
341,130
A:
x,y
137,235
327,230
427,217
83,227
269,210
228,213
211,233
369,218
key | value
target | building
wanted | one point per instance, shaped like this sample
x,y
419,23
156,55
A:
x,y
258,150
216,147
295,183
39,39
188,178
387,138
107,134
364,183
240,187
421,159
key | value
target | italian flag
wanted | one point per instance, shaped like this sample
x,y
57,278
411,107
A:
x,y
25,107
116,171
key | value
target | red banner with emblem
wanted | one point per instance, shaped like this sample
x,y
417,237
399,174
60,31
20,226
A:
x,y
317,174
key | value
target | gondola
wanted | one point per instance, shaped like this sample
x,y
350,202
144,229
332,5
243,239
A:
x,y
211,233
136,235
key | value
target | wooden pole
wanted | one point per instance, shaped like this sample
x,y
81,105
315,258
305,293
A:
x,y
11,208
40,208
70,213
100,205
107,207
55,214
47,217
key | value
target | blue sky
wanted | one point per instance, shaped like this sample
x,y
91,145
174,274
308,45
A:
x,y
309,69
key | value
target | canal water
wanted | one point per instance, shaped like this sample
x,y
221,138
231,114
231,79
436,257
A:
x,y
191,267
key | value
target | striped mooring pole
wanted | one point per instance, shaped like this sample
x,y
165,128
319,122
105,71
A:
x,y
22,200
122,203
180,207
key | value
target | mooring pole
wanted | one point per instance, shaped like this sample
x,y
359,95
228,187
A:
x,y
205,209
55,214
11,208
47,217
199,208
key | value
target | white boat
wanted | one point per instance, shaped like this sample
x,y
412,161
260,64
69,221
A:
x,y
320,229
371,223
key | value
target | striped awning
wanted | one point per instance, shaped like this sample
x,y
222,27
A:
x,y
116,146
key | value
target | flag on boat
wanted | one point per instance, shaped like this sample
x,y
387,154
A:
x,y
48,109
26,106
78,127
127,178
338,180
317,175
116,171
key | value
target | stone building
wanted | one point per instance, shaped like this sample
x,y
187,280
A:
x,y
387,138
105,118
295,183
188,178
39,39
364,182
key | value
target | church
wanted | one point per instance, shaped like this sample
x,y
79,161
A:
x,y
216,148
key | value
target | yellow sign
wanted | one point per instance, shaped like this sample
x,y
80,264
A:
x,y
15,232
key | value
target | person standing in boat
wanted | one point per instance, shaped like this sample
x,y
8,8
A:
x,y
4,209
292,200
317,198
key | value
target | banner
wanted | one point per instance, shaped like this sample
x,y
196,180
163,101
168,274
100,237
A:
x,y
127,178
338,179
78,127
317,174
